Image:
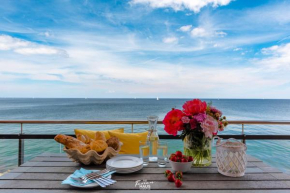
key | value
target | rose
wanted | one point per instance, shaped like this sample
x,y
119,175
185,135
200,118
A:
x,y
194,107
173,122
209,126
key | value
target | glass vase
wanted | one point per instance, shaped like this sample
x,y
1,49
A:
x,y
201,153
152,137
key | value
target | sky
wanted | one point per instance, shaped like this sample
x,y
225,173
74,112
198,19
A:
x,y
145,48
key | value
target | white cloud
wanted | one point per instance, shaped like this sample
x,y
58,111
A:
x,y
40,50
27,48
170,40
237,49
199,32
185,28
221,33
177,5
8,42
279,57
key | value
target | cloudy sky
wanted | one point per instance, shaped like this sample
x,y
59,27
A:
x,y
145,48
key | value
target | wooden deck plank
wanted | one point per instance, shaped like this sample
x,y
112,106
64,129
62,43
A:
x,y
66,159
160,185
71,164
140,191
144,170
46,154
138,176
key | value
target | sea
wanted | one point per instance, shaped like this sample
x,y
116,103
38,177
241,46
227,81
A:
x,y
273,152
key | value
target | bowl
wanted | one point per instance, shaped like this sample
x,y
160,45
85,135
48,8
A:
x,y
91,157
180,166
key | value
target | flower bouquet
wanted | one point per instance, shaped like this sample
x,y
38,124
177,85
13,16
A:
x,y
198,122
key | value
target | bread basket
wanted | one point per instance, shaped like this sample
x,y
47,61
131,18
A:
x,y
91,157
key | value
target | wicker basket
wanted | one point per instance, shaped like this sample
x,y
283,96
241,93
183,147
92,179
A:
x,y
91,157
231,157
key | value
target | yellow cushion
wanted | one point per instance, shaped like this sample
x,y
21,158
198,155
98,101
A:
x,y
130,141
91,134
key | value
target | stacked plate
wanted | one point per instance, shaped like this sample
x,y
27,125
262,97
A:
x,y
124,164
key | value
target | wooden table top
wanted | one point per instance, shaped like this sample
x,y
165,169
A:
x,y
44,174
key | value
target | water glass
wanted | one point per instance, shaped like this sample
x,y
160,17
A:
x,y
162,150
144,151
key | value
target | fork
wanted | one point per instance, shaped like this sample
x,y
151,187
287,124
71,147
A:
x,y
97,177
90,175
101,181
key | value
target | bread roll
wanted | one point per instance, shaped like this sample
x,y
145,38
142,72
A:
x,y
100,136
84,138
72,143
98,145
113,142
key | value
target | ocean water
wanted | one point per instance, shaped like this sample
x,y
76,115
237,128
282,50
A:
x,y
273,152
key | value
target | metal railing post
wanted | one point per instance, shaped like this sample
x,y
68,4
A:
x,y
20,147
132,128
243,133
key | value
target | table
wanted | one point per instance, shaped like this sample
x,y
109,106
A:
x,y
44,174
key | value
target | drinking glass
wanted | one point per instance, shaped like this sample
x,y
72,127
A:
x,y
144,151
162,149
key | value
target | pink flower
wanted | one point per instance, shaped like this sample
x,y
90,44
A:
x,y
209,126
200,117
185,119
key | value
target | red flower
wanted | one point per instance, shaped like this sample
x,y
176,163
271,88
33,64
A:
x,y
194,107
173,122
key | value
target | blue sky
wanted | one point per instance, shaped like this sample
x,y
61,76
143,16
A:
x,y
145,48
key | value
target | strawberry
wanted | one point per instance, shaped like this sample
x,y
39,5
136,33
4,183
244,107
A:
x,y
171,156
170,177
173,159
190,158
167,173
178,175
178,183
183,160
178,154
178,159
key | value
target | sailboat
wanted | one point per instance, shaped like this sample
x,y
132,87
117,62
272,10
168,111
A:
x,y
157,98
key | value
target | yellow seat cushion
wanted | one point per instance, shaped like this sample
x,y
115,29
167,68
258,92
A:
x,y
91,134
130,141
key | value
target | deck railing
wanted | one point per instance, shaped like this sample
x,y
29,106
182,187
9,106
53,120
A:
x,y
22,136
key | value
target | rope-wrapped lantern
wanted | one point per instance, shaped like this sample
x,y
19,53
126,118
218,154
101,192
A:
x,y
231,157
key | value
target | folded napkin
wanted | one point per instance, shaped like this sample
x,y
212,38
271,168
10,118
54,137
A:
x,y
78,173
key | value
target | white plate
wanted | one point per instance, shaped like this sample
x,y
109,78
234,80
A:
x,y
124,162
92,185
125,171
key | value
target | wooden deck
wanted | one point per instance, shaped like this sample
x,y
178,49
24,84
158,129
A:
x,y
44,174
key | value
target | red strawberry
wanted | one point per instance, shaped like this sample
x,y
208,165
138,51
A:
x,y
190,158
171,156
178,175
178,183
167,173
178,154
171,178
173,159
183,160
178,159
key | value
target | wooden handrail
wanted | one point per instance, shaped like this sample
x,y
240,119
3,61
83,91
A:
x,y
248,122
